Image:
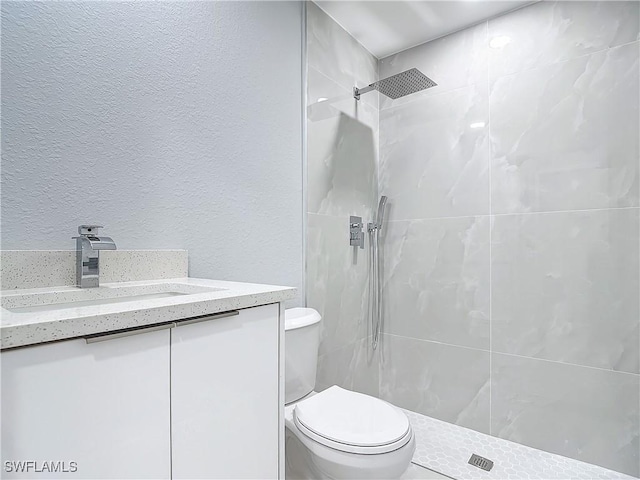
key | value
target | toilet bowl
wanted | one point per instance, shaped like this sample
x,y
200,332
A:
x,y
337,433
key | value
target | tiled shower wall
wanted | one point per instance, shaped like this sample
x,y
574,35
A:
x,y
342,143
511,256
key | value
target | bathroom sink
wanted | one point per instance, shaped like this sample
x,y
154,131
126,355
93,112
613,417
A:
x,y
105,295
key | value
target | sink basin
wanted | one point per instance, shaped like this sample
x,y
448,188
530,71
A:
x,y
76,298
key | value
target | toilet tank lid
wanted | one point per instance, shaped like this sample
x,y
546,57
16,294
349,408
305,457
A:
x,y
300,317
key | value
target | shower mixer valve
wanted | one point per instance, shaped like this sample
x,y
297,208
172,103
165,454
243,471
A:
x,y
356,234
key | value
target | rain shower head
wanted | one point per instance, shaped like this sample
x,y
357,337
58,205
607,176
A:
x,y
398,85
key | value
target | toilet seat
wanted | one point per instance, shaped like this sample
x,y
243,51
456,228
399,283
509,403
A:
x,y
352,422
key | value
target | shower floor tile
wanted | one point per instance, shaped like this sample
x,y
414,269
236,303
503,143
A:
x,y
446,448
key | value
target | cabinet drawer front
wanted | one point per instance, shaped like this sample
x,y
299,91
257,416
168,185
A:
x,y
224,396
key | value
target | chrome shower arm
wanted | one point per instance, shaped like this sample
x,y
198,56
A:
x,y
359,91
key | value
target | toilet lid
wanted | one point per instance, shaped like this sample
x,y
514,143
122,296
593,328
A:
x,y
352,418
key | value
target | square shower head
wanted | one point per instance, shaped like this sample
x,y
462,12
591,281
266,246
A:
x,y
404,83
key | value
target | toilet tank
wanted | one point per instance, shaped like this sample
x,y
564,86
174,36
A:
x,y
302,337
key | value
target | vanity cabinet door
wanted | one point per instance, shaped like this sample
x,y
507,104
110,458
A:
x,y
103,406
224,396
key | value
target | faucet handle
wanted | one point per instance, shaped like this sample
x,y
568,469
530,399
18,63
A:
x,y
89,229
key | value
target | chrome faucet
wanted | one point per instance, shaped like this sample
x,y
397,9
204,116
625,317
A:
x,y
88,246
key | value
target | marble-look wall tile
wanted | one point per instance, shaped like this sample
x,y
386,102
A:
x,y
354,367
341,151
557,122
454,61
327,99
442,381
583,413
342,180
565,287
341,163
335,53
551,32
436,280
434,155
337,281
554,113
565,136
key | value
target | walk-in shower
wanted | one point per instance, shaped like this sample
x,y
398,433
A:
x,y
480,302
398,85
375,280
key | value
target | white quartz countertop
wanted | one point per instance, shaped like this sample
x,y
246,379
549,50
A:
x,y
29,326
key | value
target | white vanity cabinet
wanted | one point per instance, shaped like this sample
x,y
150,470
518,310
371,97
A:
x,y
225,396
104,406
198,398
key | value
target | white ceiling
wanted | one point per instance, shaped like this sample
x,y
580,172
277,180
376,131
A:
x,y
387,27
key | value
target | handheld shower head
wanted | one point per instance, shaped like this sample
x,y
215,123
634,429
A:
x,y
375,281
398,85
381,207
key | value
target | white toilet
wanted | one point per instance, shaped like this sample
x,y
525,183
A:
x,y
336,434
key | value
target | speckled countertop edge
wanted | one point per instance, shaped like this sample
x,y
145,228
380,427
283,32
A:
x,y
22,329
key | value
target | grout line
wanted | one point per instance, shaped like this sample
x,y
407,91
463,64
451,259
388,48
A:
x,y
379,357
480,215
578,365
305,155
170,408
577,210
439,342
490,158
438,218
342,217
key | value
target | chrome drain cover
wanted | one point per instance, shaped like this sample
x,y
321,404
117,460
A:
x,y
481,462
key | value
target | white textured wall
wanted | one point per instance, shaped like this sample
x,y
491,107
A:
x,y
175,124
